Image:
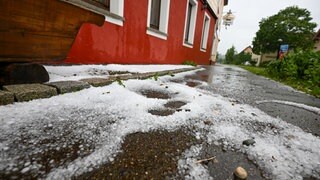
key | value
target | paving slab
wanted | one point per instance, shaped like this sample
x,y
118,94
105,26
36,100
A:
x,y
69,86
6,98
27,92
146,75
97,82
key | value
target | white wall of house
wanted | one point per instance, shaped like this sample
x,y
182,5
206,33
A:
x,y
217,6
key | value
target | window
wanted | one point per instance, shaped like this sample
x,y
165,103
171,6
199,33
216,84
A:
x,y
186,36
155,14
205,32
112,9
190,23
158,18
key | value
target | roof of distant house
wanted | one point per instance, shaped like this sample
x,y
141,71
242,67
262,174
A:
x,y
248,47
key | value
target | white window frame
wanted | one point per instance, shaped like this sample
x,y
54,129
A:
x,y
205,32
115,15
193,21
162,33
116,12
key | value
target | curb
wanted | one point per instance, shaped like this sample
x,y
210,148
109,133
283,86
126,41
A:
x,y
27,92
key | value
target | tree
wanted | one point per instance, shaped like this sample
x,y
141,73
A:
x,y
292,25
230,55
220,58
241,58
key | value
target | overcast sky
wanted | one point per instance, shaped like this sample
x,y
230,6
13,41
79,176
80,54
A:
x,y
248,15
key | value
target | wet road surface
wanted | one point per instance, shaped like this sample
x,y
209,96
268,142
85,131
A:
x,y
155,154
247,88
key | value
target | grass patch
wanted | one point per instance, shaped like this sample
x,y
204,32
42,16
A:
x,y
256,70
190,63
301,85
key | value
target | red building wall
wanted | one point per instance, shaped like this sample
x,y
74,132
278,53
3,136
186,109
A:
x,y
130,44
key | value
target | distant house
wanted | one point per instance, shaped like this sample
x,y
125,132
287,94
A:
x,y
268,57
254,57
148,32
317,41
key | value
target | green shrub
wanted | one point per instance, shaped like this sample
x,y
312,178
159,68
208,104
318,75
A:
x,y
301,68
312,72
190,63
253,63
276,69
264,64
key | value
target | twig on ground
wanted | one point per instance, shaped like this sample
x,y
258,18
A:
x,y
204,160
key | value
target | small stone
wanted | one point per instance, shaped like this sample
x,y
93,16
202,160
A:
x,y
207,122
240,173
50,126
27,164
248,142
25,170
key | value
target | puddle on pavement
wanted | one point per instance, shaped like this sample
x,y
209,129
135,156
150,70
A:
x,y
177,80
161,112
155,94
225,162
228,69
192,83
199,76
170,108
152,155
175,104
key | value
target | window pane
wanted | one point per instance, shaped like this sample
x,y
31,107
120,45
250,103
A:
x,y
155,14
186,37
205,33
105,4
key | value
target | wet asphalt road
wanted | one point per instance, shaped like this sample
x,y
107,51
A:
x,y
147,155
247,88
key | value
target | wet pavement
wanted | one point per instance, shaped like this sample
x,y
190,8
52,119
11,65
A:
x,y
225,162
247,88
152,155
155,154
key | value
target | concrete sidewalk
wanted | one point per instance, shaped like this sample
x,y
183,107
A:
x,y
26,92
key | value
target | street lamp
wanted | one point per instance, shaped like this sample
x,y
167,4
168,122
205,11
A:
x,y
228,19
